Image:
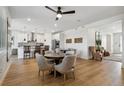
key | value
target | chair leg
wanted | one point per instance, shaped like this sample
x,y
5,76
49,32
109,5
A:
x,y
34,54
24,55
64,77
29,56
74,75
39,72
43,75
54,73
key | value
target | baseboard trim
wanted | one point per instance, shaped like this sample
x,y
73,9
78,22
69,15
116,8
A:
x,y
5,73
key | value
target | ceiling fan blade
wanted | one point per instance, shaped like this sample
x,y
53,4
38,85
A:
x,y
51,9
69,12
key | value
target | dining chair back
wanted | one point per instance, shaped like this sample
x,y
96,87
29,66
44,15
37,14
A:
x,y
48,52
66,66
41,61
67,63
57,50
42,64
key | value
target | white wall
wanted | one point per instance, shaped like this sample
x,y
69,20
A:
x,y
3,64
19,37
117,42
48,38
88,35
62,40
108,39
107,30
91,36
82,48
104,40
39,37
56,36
90,39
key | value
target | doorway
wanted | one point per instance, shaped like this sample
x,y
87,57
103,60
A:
x,y
117,43
108,43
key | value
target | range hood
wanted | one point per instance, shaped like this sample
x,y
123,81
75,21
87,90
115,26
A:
x,y
32,37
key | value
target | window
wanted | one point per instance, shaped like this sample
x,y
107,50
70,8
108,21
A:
x,y
2,33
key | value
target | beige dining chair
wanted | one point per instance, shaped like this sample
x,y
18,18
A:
x,y
48,52
57,50
67,66
70,52
50,60
43,64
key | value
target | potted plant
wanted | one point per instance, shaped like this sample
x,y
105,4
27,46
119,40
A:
x,y
98,44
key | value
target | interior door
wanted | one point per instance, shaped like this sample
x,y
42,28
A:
x,y
117,43
108,43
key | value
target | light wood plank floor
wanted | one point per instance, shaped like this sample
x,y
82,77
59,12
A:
x,y
88,72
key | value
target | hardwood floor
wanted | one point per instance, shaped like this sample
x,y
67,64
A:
x,y
88,72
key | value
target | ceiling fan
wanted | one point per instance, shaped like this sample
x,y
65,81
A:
x,y
59,12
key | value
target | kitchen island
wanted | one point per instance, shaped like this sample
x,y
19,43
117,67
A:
x,y
32,49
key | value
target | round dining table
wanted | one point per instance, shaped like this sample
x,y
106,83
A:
x,y
57,59
54,55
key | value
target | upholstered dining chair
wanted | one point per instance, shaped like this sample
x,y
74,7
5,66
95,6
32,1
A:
x,y
70,52
48,52
51,61
67,66
43,64
57,50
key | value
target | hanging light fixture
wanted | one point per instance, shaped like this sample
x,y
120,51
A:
x,y
59,15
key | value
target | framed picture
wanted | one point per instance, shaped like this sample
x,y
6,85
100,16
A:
x,y
78,40
68,40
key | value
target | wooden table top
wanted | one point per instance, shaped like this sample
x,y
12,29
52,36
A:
x,y
54,55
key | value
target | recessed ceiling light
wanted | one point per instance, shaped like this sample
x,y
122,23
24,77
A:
x,y
29,19
78,20
55,25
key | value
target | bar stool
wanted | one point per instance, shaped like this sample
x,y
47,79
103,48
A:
x,y
37,50
27,51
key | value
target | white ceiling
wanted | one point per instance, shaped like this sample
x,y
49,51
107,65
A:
x,y
43,20
115,27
